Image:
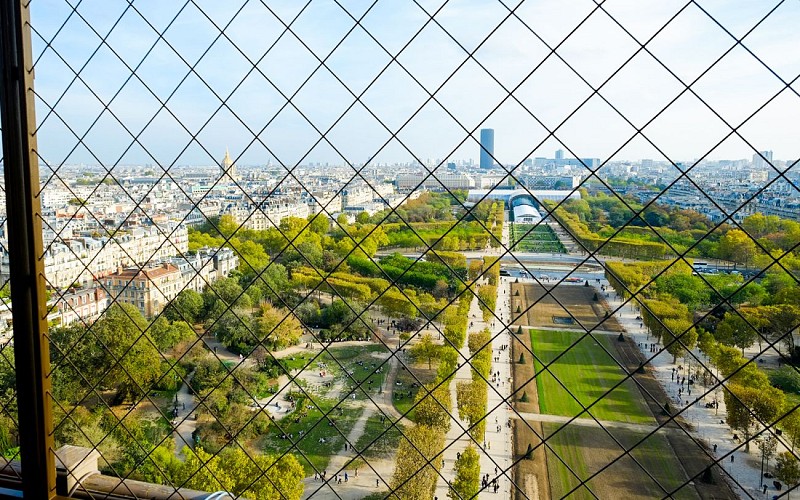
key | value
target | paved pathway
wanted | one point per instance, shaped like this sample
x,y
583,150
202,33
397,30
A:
x,y
708,423
499,452
358,487
587,422
186,423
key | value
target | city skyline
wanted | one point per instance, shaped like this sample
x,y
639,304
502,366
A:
x,y
687,46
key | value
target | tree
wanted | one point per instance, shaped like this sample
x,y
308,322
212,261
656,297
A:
x,y
737,246
242,474
225,289
781,321
749,407
690,290
187,306
488,299
433,407
339,316
227,225
787,469
252,256
362,218
166,335
234,330
415,471
791,424
123,352
786,378
468,470
277,328
84,428
767,445
471,399
682,336
425,348
273,281
441,289
735,331
319,223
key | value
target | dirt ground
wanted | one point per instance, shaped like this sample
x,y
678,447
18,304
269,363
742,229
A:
x,y
530,474
571,303
589,451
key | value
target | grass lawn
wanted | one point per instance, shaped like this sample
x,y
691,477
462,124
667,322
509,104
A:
x,y
586,450
360,361
588,372
363,364
539,239
408,383
386,445
303,419
299,360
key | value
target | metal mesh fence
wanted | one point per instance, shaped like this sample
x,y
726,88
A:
x,y
302,317
8,412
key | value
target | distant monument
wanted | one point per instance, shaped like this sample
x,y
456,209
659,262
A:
x,y
228,168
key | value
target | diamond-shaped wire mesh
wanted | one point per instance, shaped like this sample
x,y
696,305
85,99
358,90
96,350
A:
x,y
325,311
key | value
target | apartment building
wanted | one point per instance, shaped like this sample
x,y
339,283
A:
x,y
149,288
83,259
152,287
83,305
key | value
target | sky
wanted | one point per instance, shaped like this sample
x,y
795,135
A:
x,y
407,80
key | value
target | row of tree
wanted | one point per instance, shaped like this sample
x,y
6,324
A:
x,y
418,458
755,401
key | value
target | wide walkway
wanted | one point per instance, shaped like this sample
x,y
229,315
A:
x,y
499,451
708,423
496,449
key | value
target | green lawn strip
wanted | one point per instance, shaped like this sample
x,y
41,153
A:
x,y
586,450
588,372
385,445
299,360
540,239
318,453
657,457
565,446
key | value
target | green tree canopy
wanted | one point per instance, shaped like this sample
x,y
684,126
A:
x,y
468,470
122,352
187,306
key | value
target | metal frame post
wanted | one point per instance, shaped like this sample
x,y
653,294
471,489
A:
x,y
23,209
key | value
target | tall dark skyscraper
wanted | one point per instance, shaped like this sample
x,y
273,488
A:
x,y
487,147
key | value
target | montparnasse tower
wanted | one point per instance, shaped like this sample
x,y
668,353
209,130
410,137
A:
x,y
228,168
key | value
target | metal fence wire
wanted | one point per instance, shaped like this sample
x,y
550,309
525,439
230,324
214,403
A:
x,y
223,323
